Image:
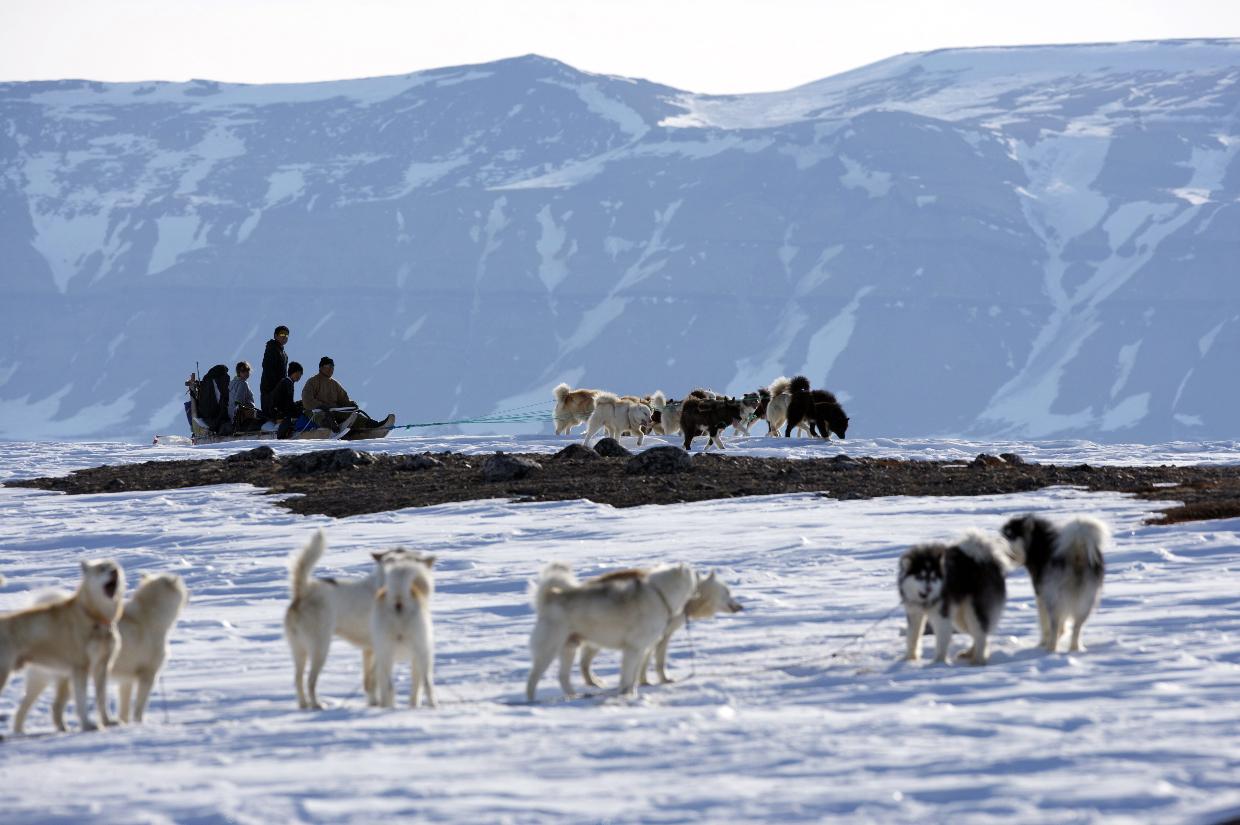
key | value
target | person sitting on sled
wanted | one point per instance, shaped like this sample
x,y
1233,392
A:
x,y
241,410
328,404
285,410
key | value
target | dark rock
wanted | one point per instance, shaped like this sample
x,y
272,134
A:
x,y
114,485
500,467
987,460
327,461
1012,458
659,461
611,448
417,462
263,453
842,460
576,452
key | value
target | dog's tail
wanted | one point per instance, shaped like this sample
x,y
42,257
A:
x,y
799,384
561,392
1080,544
554,578
302,563
779,386
658,401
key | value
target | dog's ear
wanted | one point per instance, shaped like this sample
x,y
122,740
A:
x,y
905,563
418,588
85,567
378,557
429,561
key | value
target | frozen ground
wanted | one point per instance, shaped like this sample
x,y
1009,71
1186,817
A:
x,y
786,717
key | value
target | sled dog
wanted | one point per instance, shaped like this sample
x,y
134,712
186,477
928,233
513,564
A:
x,y
1066,565
709,416
710,598
572,407
614,416
665,414
957,586
144,625
322,608
753,409
777,407
400,629
75,636
818,408
626,610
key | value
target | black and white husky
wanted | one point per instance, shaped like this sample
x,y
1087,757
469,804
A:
x,y
960,586
1066,566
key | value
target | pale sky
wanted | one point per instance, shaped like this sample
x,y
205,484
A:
x,y
717,46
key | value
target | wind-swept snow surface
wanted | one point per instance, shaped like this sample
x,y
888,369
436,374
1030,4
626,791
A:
x,y
798,709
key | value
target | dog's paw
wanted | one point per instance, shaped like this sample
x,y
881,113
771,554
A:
x,y
89,726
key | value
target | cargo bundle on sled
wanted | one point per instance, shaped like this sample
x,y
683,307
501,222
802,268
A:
x,y
207,414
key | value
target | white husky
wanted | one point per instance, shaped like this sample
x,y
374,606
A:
x,y
144,626
629,610
615,415
322,608
75,636
711,598
401,630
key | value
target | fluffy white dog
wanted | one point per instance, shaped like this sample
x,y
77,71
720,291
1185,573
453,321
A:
x,y
401,630
711,598
629,610
323,608
144,625
615,415
74,636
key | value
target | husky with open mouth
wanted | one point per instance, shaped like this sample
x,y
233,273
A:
x,y
74,636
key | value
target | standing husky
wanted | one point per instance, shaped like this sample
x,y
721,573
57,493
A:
x,y
615,415
1066,566
400,629
322,608
144,625
75,636
710,598
629,610
572,407
961,586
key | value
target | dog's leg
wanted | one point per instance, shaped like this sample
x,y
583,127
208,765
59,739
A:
x,y
630,662
318,658
36,681
1044,621
916,627
124,695
384,690
368,674
543,646
660,659
59,704
428,677
101,691
299,672
588,652
1054,624
81,678
1078,621
145,683
568,653
979,652
942,635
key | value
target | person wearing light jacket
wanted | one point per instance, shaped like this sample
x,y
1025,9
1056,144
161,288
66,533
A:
x,y
240,398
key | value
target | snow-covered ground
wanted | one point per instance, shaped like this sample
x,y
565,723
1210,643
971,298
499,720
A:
x,y
781,713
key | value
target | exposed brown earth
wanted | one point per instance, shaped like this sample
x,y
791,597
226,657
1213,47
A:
x,y
352,482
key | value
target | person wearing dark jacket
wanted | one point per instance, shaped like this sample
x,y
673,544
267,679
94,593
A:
x,y
285,409
275,369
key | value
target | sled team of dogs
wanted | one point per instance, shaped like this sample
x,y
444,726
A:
x,y
71,640
786,403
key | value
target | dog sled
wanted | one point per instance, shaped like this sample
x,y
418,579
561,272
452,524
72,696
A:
x,y
348,428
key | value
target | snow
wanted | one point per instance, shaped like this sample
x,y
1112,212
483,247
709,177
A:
x,y
798,709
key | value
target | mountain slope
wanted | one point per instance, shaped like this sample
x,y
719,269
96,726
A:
x,y
1026,242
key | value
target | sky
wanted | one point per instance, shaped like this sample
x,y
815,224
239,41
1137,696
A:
x,y
714,46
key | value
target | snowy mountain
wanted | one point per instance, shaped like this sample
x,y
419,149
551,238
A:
x,y
1017,242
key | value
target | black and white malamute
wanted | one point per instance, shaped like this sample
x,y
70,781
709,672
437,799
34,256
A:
x,y
1067,568
960,586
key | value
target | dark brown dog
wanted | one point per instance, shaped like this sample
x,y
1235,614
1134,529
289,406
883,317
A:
x,y
710,416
